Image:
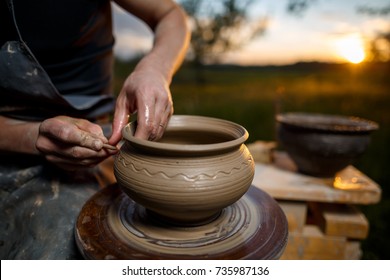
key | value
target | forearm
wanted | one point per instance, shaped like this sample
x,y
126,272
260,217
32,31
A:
x,y
170,44
171,34
18,136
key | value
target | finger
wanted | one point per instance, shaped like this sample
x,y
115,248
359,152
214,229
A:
x,y
93,130
146,124
164,119
71,152
90,127
70,133
121,118
77,153
76,157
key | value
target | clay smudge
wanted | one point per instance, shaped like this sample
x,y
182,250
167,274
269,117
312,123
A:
x,y
55,188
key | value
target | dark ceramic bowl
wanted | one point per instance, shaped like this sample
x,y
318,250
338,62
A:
x,y
321,145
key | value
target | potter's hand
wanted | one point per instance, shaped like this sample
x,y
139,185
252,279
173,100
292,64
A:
x,y
147,93
72,143
146,90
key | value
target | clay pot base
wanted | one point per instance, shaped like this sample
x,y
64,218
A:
x,y
112,226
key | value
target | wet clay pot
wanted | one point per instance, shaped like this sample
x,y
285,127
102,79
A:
x,y
199,167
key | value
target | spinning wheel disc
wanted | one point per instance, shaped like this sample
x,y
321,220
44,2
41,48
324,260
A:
x,y
112,226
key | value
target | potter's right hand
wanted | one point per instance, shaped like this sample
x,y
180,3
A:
x,y
72,143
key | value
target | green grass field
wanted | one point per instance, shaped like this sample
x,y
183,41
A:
x,y
251,96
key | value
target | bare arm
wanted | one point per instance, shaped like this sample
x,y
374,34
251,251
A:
x,y
146,90
18,136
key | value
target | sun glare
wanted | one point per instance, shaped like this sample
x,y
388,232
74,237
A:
x,y
351,48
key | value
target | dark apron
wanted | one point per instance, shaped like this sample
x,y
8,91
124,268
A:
x,y
39,203
29,91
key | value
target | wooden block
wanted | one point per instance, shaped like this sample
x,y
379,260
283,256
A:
x,y
296,213
262,151
312,244
340,220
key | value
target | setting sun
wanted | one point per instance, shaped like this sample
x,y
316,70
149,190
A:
x,y
351,48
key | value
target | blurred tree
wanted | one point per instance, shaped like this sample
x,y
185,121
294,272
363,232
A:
x,y
220,26
381,11
223,25
298,7
380,45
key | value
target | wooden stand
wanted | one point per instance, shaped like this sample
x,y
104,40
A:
x,y
323,218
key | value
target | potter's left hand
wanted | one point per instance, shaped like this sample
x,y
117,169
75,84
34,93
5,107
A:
x,y
146,92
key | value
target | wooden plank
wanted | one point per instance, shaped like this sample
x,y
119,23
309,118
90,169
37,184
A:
x,y
312,244
340,220
288,185
296,213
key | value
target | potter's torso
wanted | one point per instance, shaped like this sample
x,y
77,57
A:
x,y
71,39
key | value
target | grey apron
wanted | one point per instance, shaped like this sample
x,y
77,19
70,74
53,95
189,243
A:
x,y
38,202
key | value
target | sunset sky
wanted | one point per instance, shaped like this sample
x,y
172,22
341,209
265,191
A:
x,y
329,31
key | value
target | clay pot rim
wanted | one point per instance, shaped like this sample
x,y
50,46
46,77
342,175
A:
x,y
188,122
327,122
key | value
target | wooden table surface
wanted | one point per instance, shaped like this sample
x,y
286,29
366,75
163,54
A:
x,y
281,180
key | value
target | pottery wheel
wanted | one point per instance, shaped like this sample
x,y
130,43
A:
x,y
112,226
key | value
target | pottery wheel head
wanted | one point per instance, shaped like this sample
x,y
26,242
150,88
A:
x,y
112,226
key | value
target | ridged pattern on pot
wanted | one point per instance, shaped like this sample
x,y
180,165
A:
x,y
196,185
182,176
